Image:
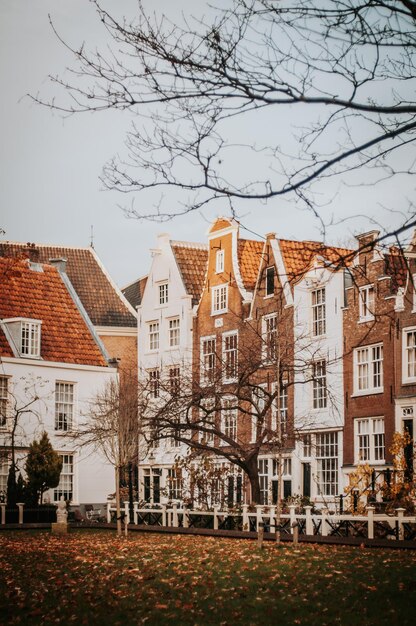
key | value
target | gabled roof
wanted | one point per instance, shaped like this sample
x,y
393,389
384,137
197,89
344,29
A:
x,y
249,257
299,255
102,299
192,260
41,294
134,292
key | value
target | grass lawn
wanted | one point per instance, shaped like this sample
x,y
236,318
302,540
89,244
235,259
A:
x,y
91,577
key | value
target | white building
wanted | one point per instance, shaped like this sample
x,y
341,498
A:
x,y
53,363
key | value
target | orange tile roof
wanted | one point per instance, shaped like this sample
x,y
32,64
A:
x,y
192,260
298,255
104,303
42,295
249,257
134,292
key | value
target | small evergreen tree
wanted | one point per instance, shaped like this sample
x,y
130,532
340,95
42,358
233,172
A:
x,y
12,486
43,468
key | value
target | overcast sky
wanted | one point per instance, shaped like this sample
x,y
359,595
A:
x,y
50,190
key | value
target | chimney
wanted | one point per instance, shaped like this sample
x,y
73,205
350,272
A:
x,y
60,264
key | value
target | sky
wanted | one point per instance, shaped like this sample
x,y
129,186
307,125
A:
x,y
50,164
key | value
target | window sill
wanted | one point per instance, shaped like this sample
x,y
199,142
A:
x,y
367,392
215,313
365,320
409,381
269,295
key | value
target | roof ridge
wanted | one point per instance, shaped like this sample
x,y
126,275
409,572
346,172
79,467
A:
x,y
44,245
190,244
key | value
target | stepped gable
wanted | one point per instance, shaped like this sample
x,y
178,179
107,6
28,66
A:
x,y
192,260
249,257
397,267
42,295
298,256
103,301
134,292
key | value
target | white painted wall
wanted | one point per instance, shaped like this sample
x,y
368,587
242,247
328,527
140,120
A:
x,y
93,474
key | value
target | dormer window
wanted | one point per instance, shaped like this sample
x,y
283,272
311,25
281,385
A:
x,y
219,262
24,336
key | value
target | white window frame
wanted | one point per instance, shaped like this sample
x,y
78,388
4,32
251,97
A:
x,y
263,469
409,355
174,332
207,375
368,369
327,461
369,440
175,484
154,335
230,356
283,403
154,382
64,406
203,436
229,416
318,305
219,299
219,261
319,385
163,293
4,401
174,379
30,339
366,301
269,337
66,487
259,398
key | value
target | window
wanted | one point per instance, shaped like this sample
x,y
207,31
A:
x,y
154,336
4,398
409,355
64,406
219,261
283,404
163,293
174,332
230,356
414,292
369,440
259,399
319,385
219,302
366,303
318,312
269,335
368,369
327,463
154,382
307,446
30,339
208,359
207,420
270,281
174,484
176,432
4,473
66,481
264,480
229,420
174,380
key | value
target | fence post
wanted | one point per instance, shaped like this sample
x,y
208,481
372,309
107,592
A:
x,y
136,513
246,520
21,506
370,521
127,511
400,514
259,517
260,535
175,520
324,528
292,513
3,513
109,503
216,517
185,522
295,532
272,519
164,520
308,522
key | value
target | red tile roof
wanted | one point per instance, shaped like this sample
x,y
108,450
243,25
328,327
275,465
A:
x,y
42,295
103,301
249,257
192,260
298,256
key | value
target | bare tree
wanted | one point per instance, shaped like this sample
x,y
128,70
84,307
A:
x,y
111,428
341,74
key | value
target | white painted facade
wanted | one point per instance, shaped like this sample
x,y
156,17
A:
x,y
319,414
166,309
88,475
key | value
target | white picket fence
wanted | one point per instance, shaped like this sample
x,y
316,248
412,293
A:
x,y
324,524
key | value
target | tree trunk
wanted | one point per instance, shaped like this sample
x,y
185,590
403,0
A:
x,y
118,508
252,472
